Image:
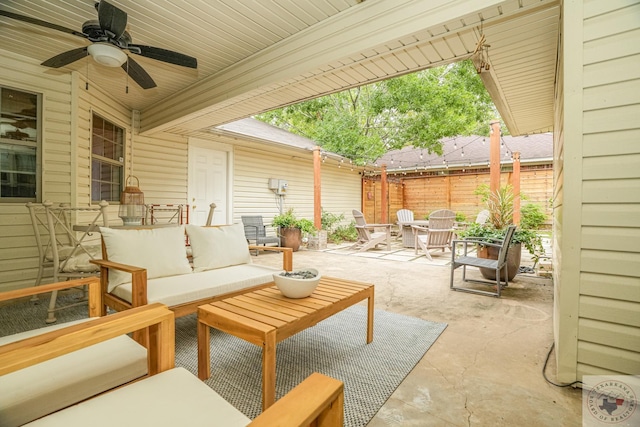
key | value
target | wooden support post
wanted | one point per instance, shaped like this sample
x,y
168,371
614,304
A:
x,y
494,157
516,187
317,189
384,196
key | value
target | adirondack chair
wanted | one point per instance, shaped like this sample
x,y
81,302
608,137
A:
x,y
368,238
404,216
254,230
464,261
439,233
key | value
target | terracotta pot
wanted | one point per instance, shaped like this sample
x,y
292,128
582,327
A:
x,y
291,237
513,261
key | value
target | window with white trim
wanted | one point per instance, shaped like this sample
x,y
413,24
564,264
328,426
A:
x,y
107,160
20,145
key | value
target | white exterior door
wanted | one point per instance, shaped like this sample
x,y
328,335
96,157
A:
x,y
208,171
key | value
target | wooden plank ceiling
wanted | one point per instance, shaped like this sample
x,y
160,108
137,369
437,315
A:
x,y
256,56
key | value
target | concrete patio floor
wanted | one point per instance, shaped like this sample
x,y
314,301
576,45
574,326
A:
x,y
486,367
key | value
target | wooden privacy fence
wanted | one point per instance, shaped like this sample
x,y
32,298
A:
x,y
425,193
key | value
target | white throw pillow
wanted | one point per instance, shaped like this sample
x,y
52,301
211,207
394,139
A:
x,y
160,250
217,247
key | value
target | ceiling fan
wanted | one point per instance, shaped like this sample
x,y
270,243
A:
x,y
109,40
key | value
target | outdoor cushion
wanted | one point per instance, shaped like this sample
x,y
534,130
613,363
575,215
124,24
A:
x,y
171,398
79,262
175,290
217,247
38,390
161,251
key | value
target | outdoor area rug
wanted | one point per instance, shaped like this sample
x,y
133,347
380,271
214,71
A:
x,y
335,347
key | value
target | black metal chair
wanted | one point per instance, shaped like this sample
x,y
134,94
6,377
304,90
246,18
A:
x,y
465,261
255,230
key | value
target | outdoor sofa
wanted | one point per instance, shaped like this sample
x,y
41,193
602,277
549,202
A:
x,y
169,396
144,266
33,392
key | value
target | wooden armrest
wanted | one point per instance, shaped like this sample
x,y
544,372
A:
x,y
138,279
420,227
93,285
287,254
318,399
157,317
379,225
465,242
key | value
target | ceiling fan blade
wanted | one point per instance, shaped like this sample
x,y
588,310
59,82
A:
x,y
112,19
138,74
66,58
165,55
41,23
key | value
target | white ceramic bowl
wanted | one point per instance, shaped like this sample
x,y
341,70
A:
x,y
294,287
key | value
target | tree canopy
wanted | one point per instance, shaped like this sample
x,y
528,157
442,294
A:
x,y
416,109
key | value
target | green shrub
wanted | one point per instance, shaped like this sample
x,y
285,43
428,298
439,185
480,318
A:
x,y
329,220
343,233
460,217
532,217
289,219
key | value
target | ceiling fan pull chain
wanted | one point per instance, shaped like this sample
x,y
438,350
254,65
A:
x,y
127,84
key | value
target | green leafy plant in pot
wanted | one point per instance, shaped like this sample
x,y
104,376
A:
x,y
292,228
500,207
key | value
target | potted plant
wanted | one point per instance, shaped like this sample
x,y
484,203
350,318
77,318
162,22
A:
x,y
291,228
500,206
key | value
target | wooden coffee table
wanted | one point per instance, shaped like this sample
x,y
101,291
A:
x,y
265,317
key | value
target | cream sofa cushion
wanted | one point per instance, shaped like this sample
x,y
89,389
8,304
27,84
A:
x,y
161,251
217,247
177,290
33,392
172,398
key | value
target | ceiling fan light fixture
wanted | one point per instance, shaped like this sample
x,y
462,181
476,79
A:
x,y
107,54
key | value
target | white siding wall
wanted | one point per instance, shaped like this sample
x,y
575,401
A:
x,y
161,165
159,162
597,209
341,190
254,166
18,254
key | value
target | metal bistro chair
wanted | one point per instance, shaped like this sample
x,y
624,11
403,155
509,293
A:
x,y
166,214
465,261
255,230
63,249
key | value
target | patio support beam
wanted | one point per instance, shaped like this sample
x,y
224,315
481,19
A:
x,y
494,156
317,188
516,187
344,36
384,196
